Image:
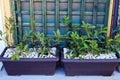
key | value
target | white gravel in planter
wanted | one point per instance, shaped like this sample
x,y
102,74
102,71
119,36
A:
x,y
89,55
9,52
32,53
47,56
53,50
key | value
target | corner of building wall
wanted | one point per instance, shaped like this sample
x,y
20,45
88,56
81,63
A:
x,y
2,43
6,12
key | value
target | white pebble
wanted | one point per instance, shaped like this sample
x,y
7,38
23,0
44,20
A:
x,y
53,50
91,56
65,50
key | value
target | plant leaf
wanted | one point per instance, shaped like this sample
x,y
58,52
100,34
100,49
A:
x,y
6,38
17,57
13,57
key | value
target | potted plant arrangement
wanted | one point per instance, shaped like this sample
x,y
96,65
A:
x,y
117,31
34,54
91,52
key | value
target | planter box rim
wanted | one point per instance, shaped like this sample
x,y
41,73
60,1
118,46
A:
x,y
77,67
90,60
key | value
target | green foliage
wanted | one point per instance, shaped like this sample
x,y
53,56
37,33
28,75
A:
x,y
10,20
43,39
15,57
81,45
87,28
1,35
44,43
66,21
114,43
10,28
74,43
21,49
93,46
58,37
95,41
31,37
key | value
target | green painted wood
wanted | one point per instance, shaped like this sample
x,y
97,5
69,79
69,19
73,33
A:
x,y
95,12
31,15
49,14
19,17
70,10
57,15
15,36
82,10
107,12
76,0
44,15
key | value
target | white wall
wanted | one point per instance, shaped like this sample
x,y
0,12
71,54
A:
x,y
1,42
2,45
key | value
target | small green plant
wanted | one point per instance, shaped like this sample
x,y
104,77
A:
x,y
94,40
43,48
58,37
80,45
113,44
74,43
93,46
88,28
20,48
9,33
67,23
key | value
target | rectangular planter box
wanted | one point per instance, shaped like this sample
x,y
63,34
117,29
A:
x,y
29,66
103,67
118,67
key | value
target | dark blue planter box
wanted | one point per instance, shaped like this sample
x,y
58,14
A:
x,y
74,67
29,66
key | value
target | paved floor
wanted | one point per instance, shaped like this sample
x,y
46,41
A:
x,y
59,75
